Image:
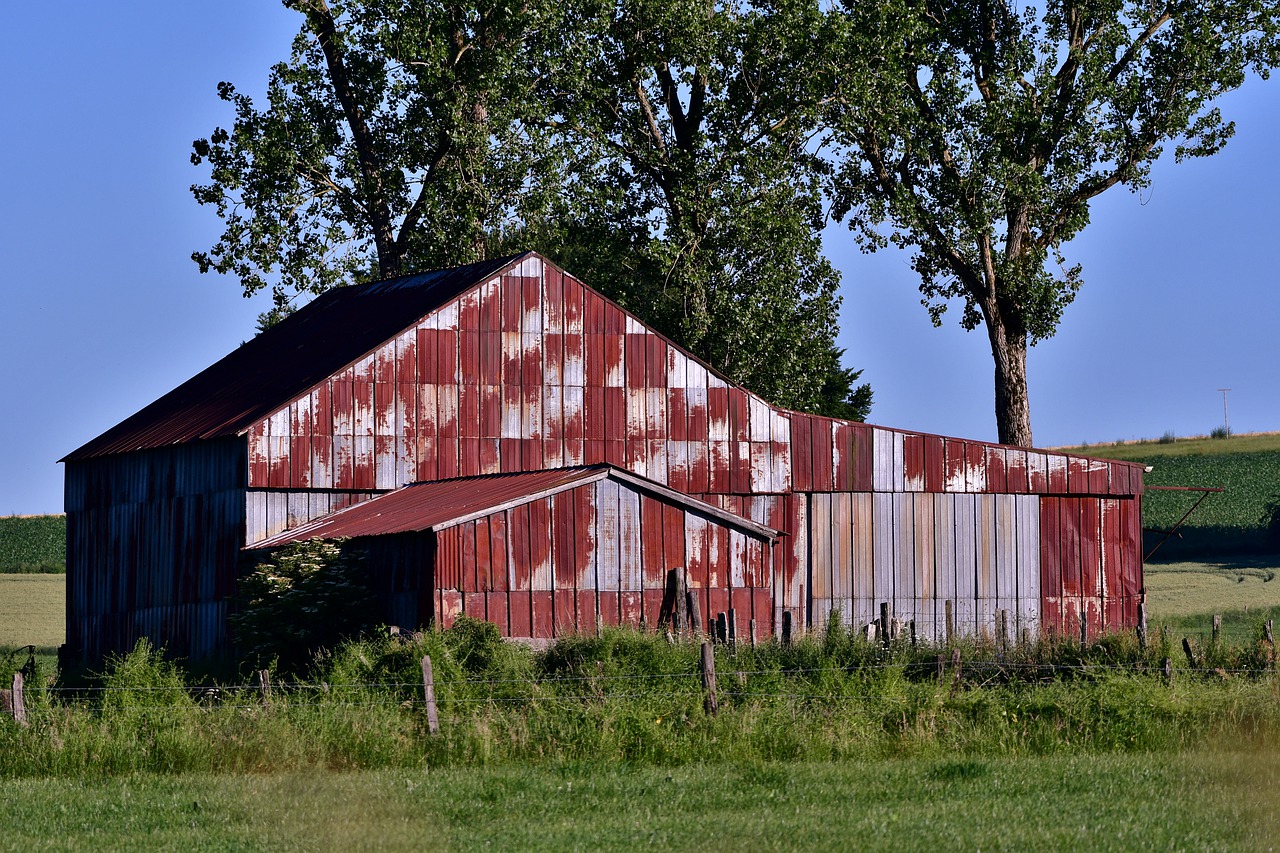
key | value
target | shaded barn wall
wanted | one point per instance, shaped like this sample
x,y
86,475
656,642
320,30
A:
x,y
547,568
402,572
153,541
270,511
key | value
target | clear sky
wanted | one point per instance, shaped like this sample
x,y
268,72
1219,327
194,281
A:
x,y
102,310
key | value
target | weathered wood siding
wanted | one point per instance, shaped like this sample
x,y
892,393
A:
x,y
153,542
552,566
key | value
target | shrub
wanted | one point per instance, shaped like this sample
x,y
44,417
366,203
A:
x,y
304,597
1167,438
1220,432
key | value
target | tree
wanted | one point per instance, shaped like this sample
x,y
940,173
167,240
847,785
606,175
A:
x,y
695,199
657,149
981,133
399,136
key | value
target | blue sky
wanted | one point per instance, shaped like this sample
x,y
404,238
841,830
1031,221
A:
x,y
102,310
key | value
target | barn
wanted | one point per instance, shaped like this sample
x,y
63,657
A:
x,y
512,445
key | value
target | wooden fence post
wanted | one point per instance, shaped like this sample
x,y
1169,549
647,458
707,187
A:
x,y
1142,625
1191,657
786,627
733,628
1084,628
1004,630
956,671
951,620
752,626
19,702
710,702
942,667
264,685
1217,627
429,695
694,609
885,627
722,627
1168,671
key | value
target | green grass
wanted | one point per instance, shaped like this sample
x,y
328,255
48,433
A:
x,y
1194,801
1263,442
36,543
33,610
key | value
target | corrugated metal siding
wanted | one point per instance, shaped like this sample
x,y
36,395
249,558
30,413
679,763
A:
x,y
153,540
552,566
916,551
529,370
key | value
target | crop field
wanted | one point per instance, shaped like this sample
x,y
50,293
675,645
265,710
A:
x,y
35,543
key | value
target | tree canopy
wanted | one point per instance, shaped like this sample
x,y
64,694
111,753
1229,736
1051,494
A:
x,y
659,150
981,131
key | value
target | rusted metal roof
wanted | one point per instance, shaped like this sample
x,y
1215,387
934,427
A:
x,y
320,339
444,503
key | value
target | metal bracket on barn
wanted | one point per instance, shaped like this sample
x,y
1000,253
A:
x,y
1206,491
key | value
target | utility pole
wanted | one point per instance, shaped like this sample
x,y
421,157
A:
x,y
1226,423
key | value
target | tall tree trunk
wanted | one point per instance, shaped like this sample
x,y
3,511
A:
x,y
1013,406
376,206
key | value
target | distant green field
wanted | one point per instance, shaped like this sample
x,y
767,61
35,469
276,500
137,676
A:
x,y
1247,466
36,543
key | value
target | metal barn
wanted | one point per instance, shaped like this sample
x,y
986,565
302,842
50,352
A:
x,y
514,445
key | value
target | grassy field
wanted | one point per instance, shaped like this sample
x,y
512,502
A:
x,y
33,543
1193,801
1247,466
32,610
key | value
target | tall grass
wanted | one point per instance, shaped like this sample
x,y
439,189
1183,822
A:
x,y
631,698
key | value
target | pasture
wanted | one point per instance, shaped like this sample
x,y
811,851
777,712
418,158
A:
x,y
33,610
1210,800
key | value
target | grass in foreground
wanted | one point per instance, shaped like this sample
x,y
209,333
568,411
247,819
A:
x,y
1193,801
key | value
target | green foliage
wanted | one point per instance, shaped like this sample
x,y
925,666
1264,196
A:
x,y
302,598
980,133
35,544
659,150
1219,433
1270,521
395,138
1233,522
633,699
1168,437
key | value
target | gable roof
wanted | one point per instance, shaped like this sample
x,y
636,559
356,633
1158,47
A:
x,y
439,504
332,331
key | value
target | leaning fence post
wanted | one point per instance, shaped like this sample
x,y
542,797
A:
x,y
695,614
264,685
429,696
1191,657
710,702
19,703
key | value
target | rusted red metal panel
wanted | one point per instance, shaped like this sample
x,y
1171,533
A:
x,y
934,467
843,447
1099,477
997,482
913,460
1090,550
954,462
1051,564
1057,473
1077,475
801,452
